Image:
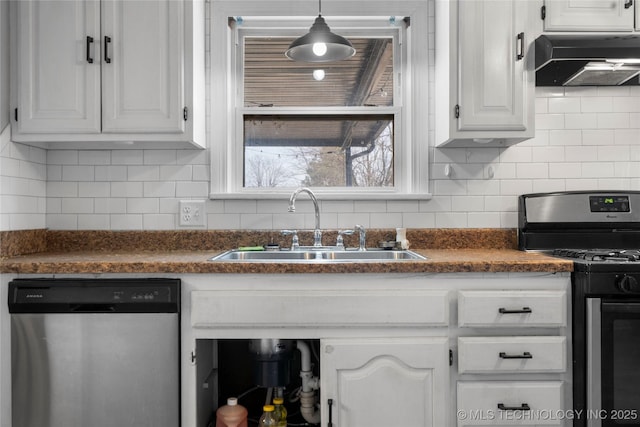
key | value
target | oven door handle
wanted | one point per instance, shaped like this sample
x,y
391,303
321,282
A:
x,y
523,310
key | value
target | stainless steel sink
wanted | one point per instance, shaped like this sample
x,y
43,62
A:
x,y
322,255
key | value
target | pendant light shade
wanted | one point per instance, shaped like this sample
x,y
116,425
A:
x,y
320,45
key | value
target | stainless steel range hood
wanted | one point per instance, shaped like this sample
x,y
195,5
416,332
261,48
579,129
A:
x,y
587,60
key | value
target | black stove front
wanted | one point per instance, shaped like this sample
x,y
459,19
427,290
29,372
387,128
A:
x,y
600,232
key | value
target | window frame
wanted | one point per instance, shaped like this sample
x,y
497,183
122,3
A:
x,y
411,145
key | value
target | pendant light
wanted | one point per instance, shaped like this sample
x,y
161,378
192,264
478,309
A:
x,y
320,44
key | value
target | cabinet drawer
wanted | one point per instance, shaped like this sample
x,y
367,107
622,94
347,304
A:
x,y
512,354
512,308
241,309
510,403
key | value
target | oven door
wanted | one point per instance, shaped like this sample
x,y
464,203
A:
x,y
613,362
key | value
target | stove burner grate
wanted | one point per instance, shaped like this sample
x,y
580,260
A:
x,y
610,255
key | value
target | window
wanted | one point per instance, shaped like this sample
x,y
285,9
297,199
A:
x,y
348,129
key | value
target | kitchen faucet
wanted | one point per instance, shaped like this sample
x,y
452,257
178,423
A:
x,y
362,234
317,234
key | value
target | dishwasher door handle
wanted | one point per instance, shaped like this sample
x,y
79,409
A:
x,y
93,308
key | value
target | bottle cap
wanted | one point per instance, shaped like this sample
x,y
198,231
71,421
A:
x,y
268,408
278,401
232,401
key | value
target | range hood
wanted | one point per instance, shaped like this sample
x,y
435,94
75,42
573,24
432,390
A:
x,y
587,60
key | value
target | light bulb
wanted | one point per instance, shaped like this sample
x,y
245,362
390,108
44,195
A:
x,y
318,74
319,49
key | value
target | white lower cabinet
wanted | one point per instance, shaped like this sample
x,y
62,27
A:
x,y
512,354
401,381
513,357
510,403
390,347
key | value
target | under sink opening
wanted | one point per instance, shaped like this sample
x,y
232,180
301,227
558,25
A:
x,y
226,368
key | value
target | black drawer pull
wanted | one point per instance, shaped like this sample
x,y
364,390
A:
x,y
628,4
523,407
525,355
503,310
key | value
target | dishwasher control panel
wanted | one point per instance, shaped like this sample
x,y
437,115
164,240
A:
x,y
94,295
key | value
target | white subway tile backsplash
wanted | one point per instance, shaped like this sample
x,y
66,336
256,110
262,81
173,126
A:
x,y
126,222
110,205
94,157
111,173
581,154
629,104
564,105
78,173
613,152
550,121
126,189
143,205
613,120
94,222
581,121
143,173
159,189
127,157
62,157
94,189
565,137
532,170
160,157
451,220
77,205
62,189
600,104
627,136
565,170
192,189
598,137
159,222
176,173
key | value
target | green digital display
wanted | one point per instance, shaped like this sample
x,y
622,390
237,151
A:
x,y
609,204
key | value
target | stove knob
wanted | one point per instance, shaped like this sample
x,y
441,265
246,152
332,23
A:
x,y
628,284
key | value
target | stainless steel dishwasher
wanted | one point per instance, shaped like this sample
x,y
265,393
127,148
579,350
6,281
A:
x,y
99,353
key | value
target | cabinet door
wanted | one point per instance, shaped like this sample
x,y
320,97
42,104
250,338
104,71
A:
x,y
58,86
142,66
385,382
4,64
588,15
492,65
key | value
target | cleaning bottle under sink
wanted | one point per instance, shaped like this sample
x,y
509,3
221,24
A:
x,y
231,414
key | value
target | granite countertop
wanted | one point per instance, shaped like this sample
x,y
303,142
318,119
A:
x,y
186,262
78,252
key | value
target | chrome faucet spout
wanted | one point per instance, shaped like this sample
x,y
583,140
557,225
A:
x,y
362,234
317,233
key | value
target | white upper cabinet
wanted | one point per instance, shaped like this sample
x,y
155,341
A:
x,y
141,61
90,72
58,87
590,15
4,64
484,72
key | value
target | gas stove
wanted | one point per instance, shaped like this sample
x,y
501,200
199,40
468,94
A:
x,y
600,232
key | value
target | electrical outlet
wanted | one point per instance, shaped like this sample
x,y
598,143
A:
x,y
192,213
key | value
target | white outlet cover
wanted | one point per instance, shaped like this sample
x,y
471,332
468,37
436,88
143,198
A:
x,y
192,213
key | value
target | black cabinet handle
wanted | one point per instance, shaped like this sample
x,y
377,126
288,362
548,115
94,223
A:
x,y
520,47
503,310
89,43
525,355
523,407
107,40
330,423
628,4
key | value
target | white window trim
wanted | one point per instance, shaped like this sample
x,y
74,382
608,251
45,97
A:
x,y
411,181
